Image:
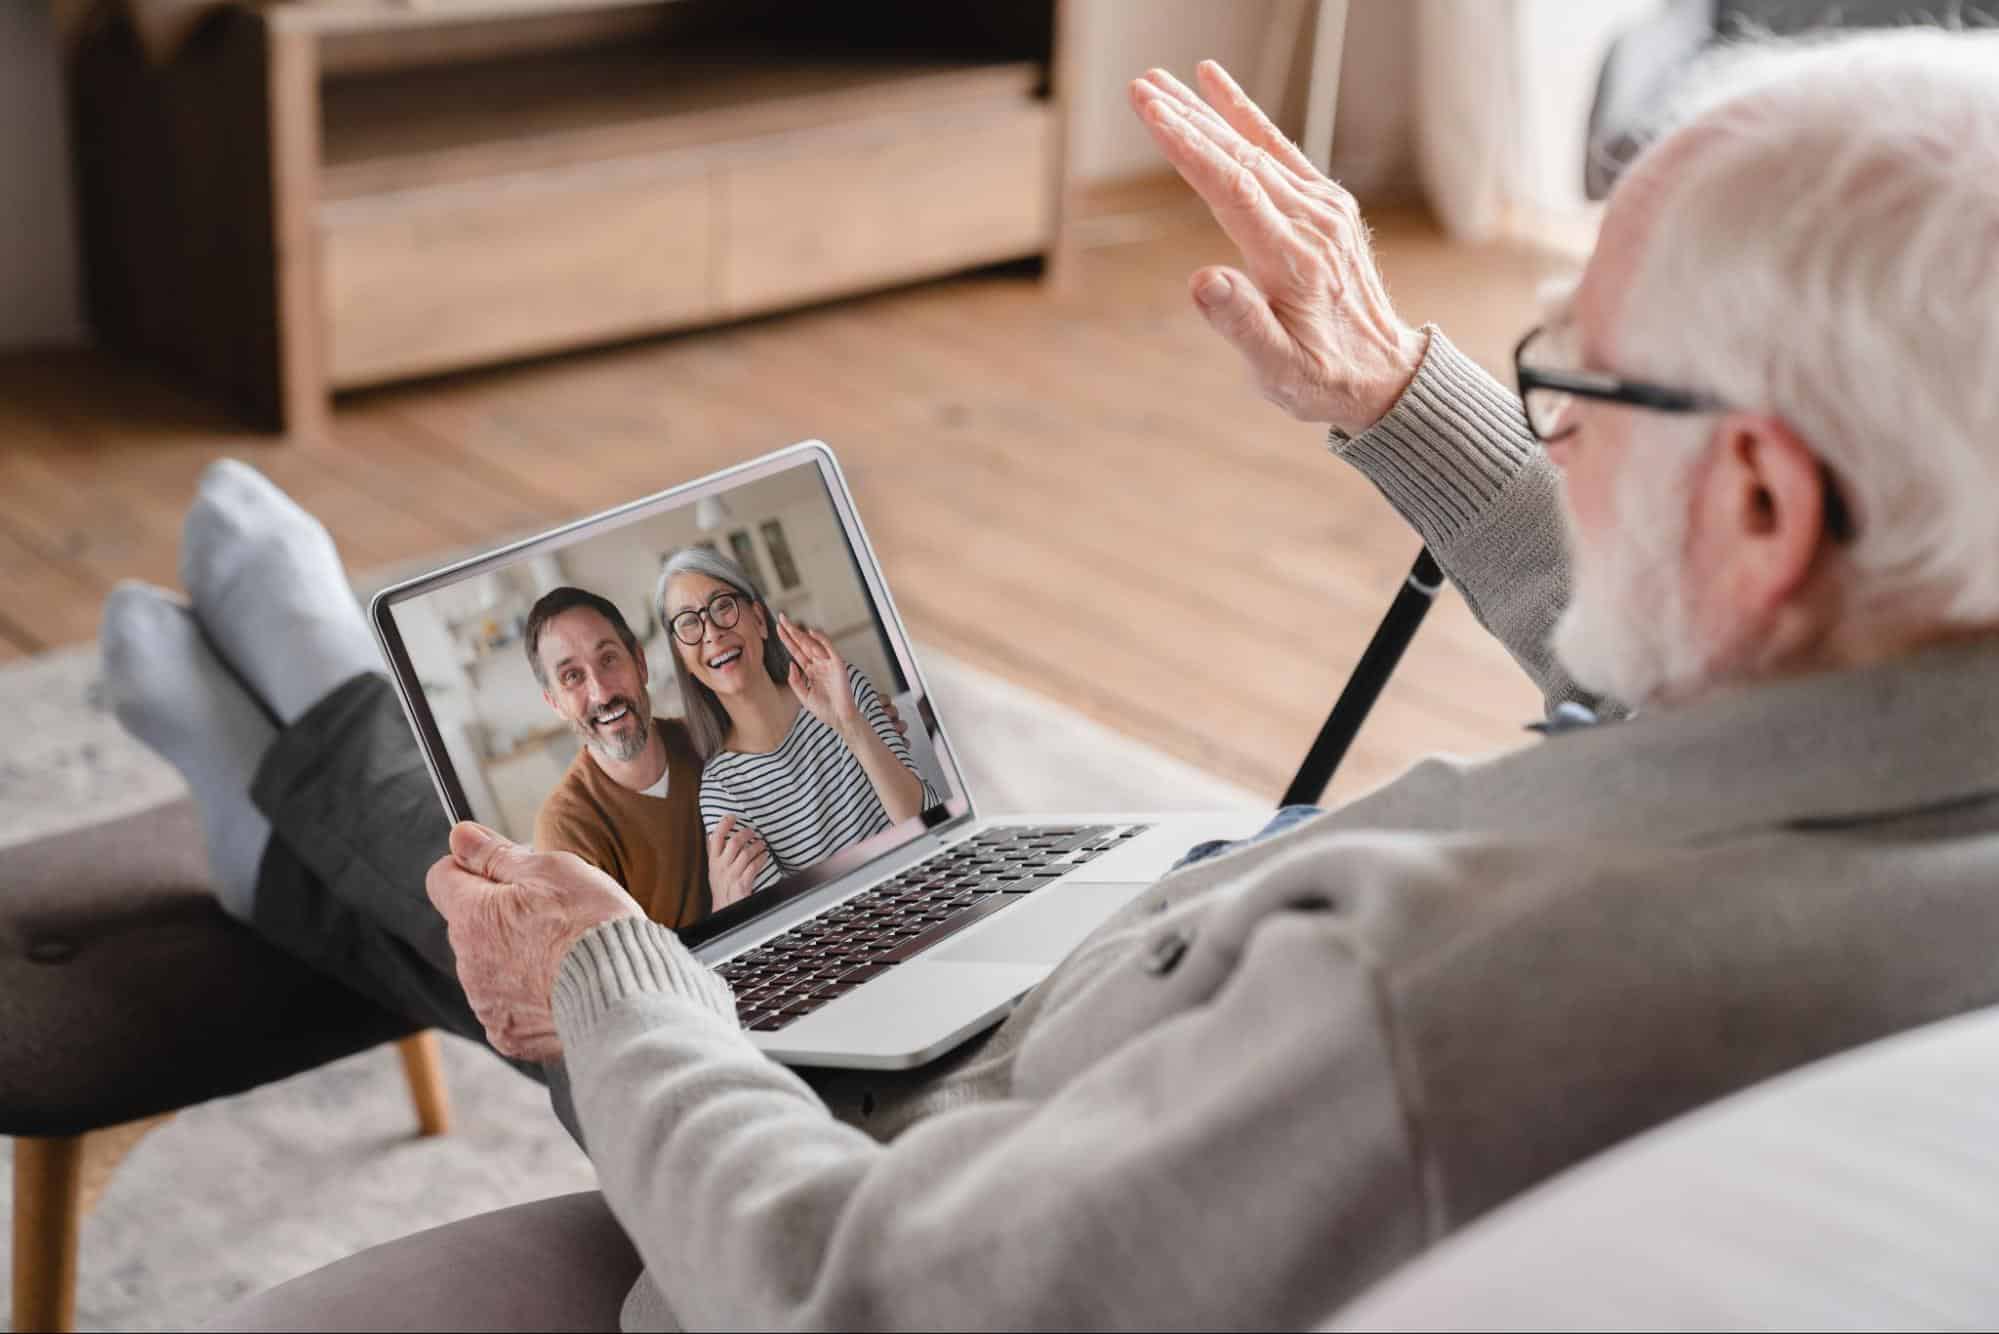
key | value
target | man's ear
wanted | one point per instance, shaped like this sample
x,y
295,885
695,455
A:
x,y
1763,503
548,698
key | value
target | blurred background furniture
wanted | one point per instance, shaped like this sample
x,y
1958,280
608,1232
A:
x,y
125,995
314,197
1643,65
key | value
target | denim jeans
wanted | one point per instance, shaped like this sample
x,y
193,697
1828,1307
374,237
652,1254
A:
x,y
1286,818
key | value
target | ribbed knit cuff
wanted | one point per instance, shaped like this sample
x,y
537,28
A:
x,y
632,956
1448,447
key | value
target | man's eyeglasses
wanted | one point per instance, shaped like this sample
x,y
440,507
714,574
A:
x,y
721,611
1548,395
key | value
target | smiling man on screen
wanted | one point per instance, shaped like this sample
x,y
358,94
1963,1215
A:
x,y
628,803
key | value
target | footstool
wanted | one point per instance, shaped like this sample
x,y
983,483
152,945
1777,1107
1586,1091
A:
x,y
126,994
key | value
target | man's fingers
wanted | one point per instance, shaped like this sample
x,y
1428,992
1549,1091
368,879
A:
x,y
1232,192
1287,174
537,1042
485,853
718,837
1248,120
447,883
1228,133
1231,303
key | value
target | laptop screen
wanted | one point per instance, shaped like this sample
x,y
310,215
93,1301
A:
x,y
723,656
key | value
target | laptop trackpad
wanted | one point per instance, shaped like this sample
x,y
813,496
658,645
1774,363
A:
x,y
1041,930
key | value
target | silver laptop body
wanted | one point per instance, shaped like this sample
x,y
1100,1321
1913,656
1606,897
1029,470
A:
x,y
886,954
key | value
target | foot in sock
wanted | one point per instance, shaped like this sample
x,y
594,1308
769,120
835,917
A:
x,y
170,690
268,588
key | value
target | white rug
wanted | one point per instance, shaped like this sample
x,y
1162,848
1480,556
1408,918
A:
x,y
237,1195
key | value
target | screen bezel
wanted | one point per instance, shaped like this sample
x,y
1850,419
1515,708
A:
x,y
956,804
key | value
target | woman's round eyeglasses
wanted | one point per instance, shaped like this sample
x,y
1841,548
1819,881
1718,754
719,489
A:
x,y
721,611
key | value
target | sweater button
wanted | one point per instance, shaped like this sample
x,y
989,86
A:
x,y
1165,954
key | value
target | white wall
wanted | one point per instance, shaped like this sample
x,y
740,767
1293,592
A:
x,y
1266,44
1117,40
39,301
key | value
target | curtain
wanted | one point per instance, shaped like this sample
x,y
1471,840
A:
x,y
1502,92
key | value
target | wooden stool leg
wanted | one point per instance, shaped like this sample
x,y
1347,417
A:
x,y
48,1178
423,1063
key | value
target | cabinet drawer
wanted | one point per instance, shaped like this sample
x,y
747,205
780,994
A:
x,y
428,280
822,212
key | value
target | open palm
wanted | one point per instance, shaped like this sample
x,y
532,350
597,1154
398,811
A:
x,y
1311,314
818,675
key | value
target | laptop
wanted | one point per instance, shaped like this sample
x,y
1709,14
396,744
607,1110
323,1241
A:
x,y
884,953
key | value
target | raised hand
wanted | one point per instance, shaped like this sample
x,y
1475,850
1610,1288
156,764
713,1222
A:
x,y
736,853
511,915
1310,313
819,676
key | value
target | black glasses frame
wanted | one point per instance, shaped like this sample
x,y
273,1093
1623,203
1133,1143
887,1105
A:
x,y
1603,387
706,612
1607,388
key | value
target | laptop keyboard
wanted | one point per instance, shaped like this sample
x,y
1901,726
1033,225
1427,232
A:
x,y
825,957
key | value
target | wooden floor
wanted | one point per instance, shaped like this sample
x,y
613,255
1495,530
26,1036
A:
x,y
1069,485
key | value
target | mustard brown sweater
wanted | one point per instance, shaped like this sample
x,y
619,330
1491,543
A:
x,y
654,846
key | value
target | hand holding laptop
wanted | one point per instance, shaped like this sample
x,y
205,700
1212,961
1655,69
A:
x,y
512,914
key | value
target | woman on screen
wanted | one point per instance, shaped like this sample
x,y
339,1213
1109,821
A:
x,y
800,758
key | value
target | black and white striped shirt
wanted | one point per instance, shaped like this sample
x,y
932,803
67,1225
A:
x,y
810,797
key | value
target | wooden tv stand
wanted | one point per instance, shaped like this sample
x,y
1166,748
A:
x,y
322,196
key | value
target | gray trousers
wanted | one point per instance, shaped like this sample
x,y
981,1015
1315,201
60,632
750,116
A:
x,y
355,825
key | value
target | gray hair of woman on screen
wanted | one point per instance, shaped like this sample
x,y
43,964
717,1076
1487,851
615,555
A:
x,y
707,720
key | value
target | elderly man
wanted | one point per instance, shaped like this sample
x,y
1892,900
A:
x,y
1289,1068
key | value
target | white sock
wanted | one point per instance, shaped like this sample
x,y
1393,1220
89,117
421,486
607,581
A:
x,y
269,590
170,690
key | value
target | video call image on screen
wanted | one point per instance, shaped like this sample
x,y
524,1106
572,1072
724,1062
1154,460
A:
x,y
557,688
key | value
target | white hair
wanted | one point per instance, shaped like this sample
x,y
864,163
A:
x,y
1829,253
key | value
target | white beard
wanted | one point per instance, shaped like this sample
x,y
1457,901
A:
x,y
1626,633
